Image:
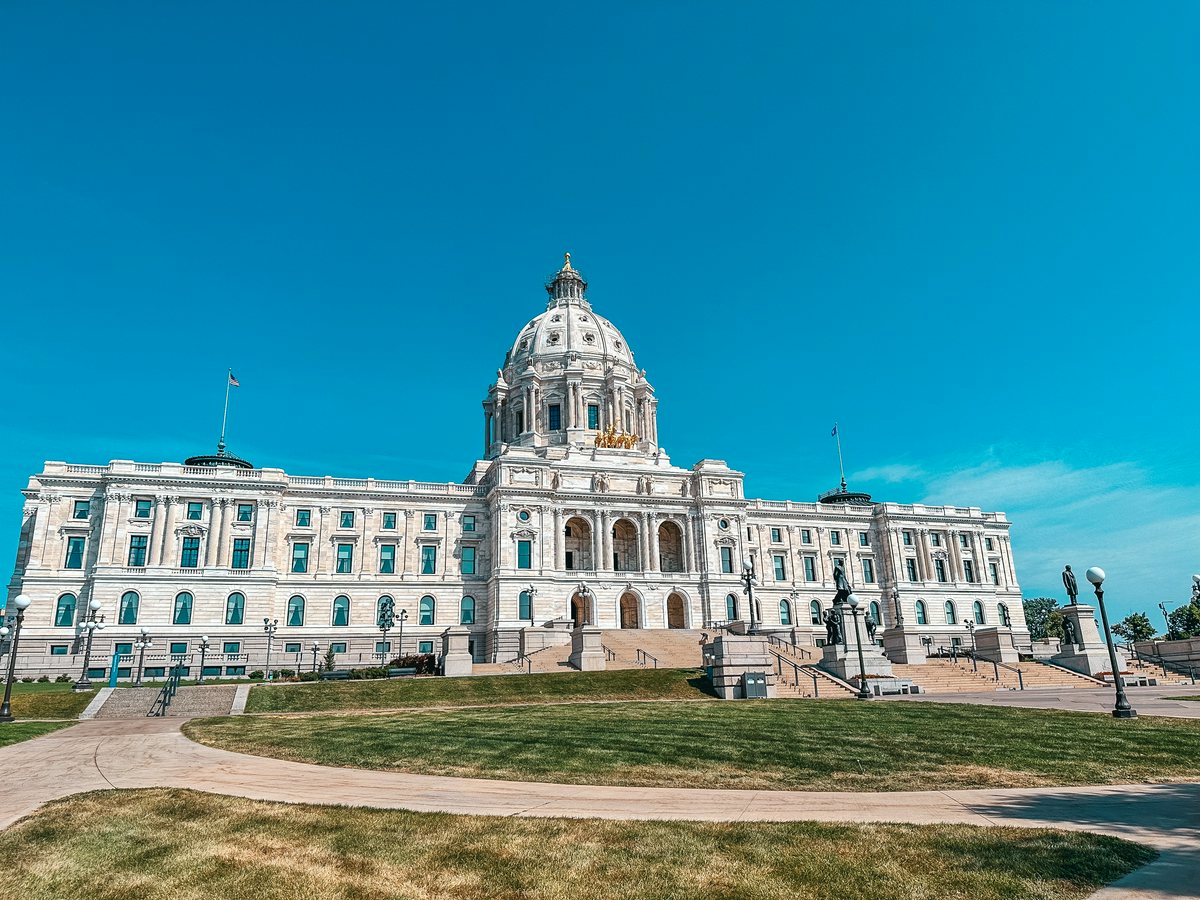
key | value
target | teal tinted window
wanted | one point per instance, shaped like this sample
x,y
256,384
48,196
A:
x,y
245,512
466,611
524,553
345,559
593,417
385,611
951,614
74,553
382,647
231,647
727,560
183,609
921,617
195,511
123,649
776,536
97,673
430,522
347,518
241,553
467,564
64,612
874,608
525,606
555,417
154,671
211,670
338,647
977,608
731,607
425,647
235,670
387,558
141,509
235,608
295,613
299,557
427,610
835,538
810,568
341,611
291,647
814,613
780,573
83,509
58,649
468,523
785,613
864,539
129,608
303,518
137,550
389,521
428,560
189,556
868,571
178,647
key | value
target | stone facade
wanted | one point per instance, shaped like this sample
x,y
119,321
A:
x,y
575,515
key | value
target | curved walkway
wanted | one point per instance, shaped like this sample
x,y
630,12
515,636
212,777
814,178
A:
x,y
153,753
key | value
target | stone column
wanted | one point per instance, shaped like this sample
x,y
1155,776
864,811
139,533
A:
x,y
228,511
166,552
262,531
365,512
157,528
606,545
655,562
214,529
113,507
560,544
689,544
597,541
956,558
924,555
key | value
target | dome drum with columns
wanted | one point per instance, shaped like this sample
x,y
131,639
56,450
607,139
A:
x,y
568,380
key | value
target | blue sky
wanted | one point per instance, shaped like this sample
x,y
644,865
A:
x,y
966,231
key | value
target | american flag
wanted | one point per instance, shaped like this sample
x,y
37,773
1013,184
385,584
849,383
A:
x,y
831,434
233,381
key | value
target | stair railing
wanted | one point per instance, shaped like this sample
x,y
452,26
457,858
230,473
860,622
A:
x,y
781,661
777,641
163,701
997,666
609,653
643,656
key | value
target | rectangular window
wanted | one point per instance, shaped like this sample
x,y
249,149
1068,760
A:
x,y
994,573
835,538
195,510
74,553
178,647
137,550
345,559
940,567
241,553
468,523
555,417
430,522
520,421
58,649
347,519
776,537
868,567
467,564
189,556
810,568
291,647
524,554
911,565
935,539
245,512
383,647
727,560
211,671
864,539
232,647
155,671
841,560
425,647
303,518
780,572
83,509
987,543
123,649
593,417
569,559
387,559
97,673
428,560
907,538
300,558
962,540
235,670
338,647
969,571
389,521
805,535
141,509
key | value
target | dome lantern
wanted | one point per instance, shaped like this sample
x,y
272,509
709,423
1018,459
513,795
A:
x,y
568,284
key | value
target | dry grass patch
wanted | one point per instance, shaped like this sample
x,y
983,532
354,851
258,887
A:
x,y
114,845
15,732
48,701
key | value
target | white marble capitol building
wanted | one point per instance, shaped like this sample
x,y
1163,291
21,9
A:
x,y
574,514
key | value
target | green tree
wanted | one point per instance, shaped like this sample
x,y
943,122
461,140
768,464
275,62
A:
x,y
1184,622
1135,627
1043,617
329,661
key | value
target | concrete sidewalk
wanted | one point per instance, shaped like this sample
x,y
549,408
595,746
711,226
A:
x,y
153,753
1148,701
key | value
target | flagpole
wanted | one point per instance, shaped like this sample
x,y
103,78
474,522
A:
x,y
225,415
837,433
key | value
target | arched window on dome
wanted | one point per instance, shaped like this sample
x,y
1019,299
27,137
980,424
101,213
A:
x,y
64,612
785,613
922,617
977,608
814,612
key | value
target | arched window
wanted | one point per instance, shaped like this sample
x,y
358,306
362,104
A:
x,y
129,608
525,606
183,609
874,609
978,609
235,608
466,611
785,613
341,611
427,609
814,612
951,615
1005,619
731,607
64,613
295,613
379,605
922,618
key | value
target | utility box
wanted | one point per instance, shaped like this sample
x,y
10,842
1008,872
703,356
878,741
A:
x,y
754,685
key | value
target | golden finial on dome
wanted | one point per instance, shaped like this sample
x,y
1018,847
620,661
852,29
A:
x,y
567,262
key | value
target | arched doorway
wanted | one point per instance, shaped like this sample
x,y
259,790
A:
x,y
577,543
625,546
670,547
581,609
629,611
676,617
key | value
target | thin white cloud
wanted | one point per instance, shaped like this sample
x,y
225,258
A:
x,y
890,474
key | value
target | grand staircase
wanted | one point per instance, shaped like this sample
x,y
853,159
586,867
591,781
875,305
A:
x,y
135,703
945,676
672,648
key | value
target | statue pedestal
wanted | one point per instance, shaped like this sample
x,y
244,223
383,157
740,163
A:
x,y
996,644
842,660
456,656
587,653
1088,654
731,657
903,647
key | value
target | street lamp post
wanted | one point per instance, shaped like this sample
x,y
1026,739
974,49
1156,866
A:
x,y
269,627
203,654
748,579
864,693
315,648
21,602
971,632
91,621
1122,710
142,643
402,617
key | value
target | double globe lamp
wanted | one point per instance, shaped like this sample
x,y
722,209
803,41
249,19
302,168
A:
x,y
21,602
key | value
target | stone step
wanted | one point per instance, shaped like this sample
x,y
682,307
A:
x,y
135,703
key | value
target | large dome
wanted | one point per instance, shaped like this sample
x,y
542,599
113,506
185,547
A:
x,y
569,375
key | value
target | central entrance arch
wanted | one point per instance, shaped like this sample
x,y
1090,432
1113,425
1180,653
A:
x,y
676,617
629,611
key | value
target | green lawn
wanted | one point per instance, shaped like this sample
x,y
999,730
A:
x,y
628,684
113,845
13,732
830,745
48,701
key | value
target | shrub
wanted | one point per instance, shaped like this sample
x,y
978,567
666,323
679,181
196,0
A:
x,y
284,673
28,679
369,672
257,674
63,679
424,663
45,679
309,676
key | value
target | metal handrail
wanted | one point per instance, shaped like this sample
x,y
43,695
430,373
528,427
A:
x,y
796,670
997,666
642,656
1163,663
609,653
789,646
163,701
